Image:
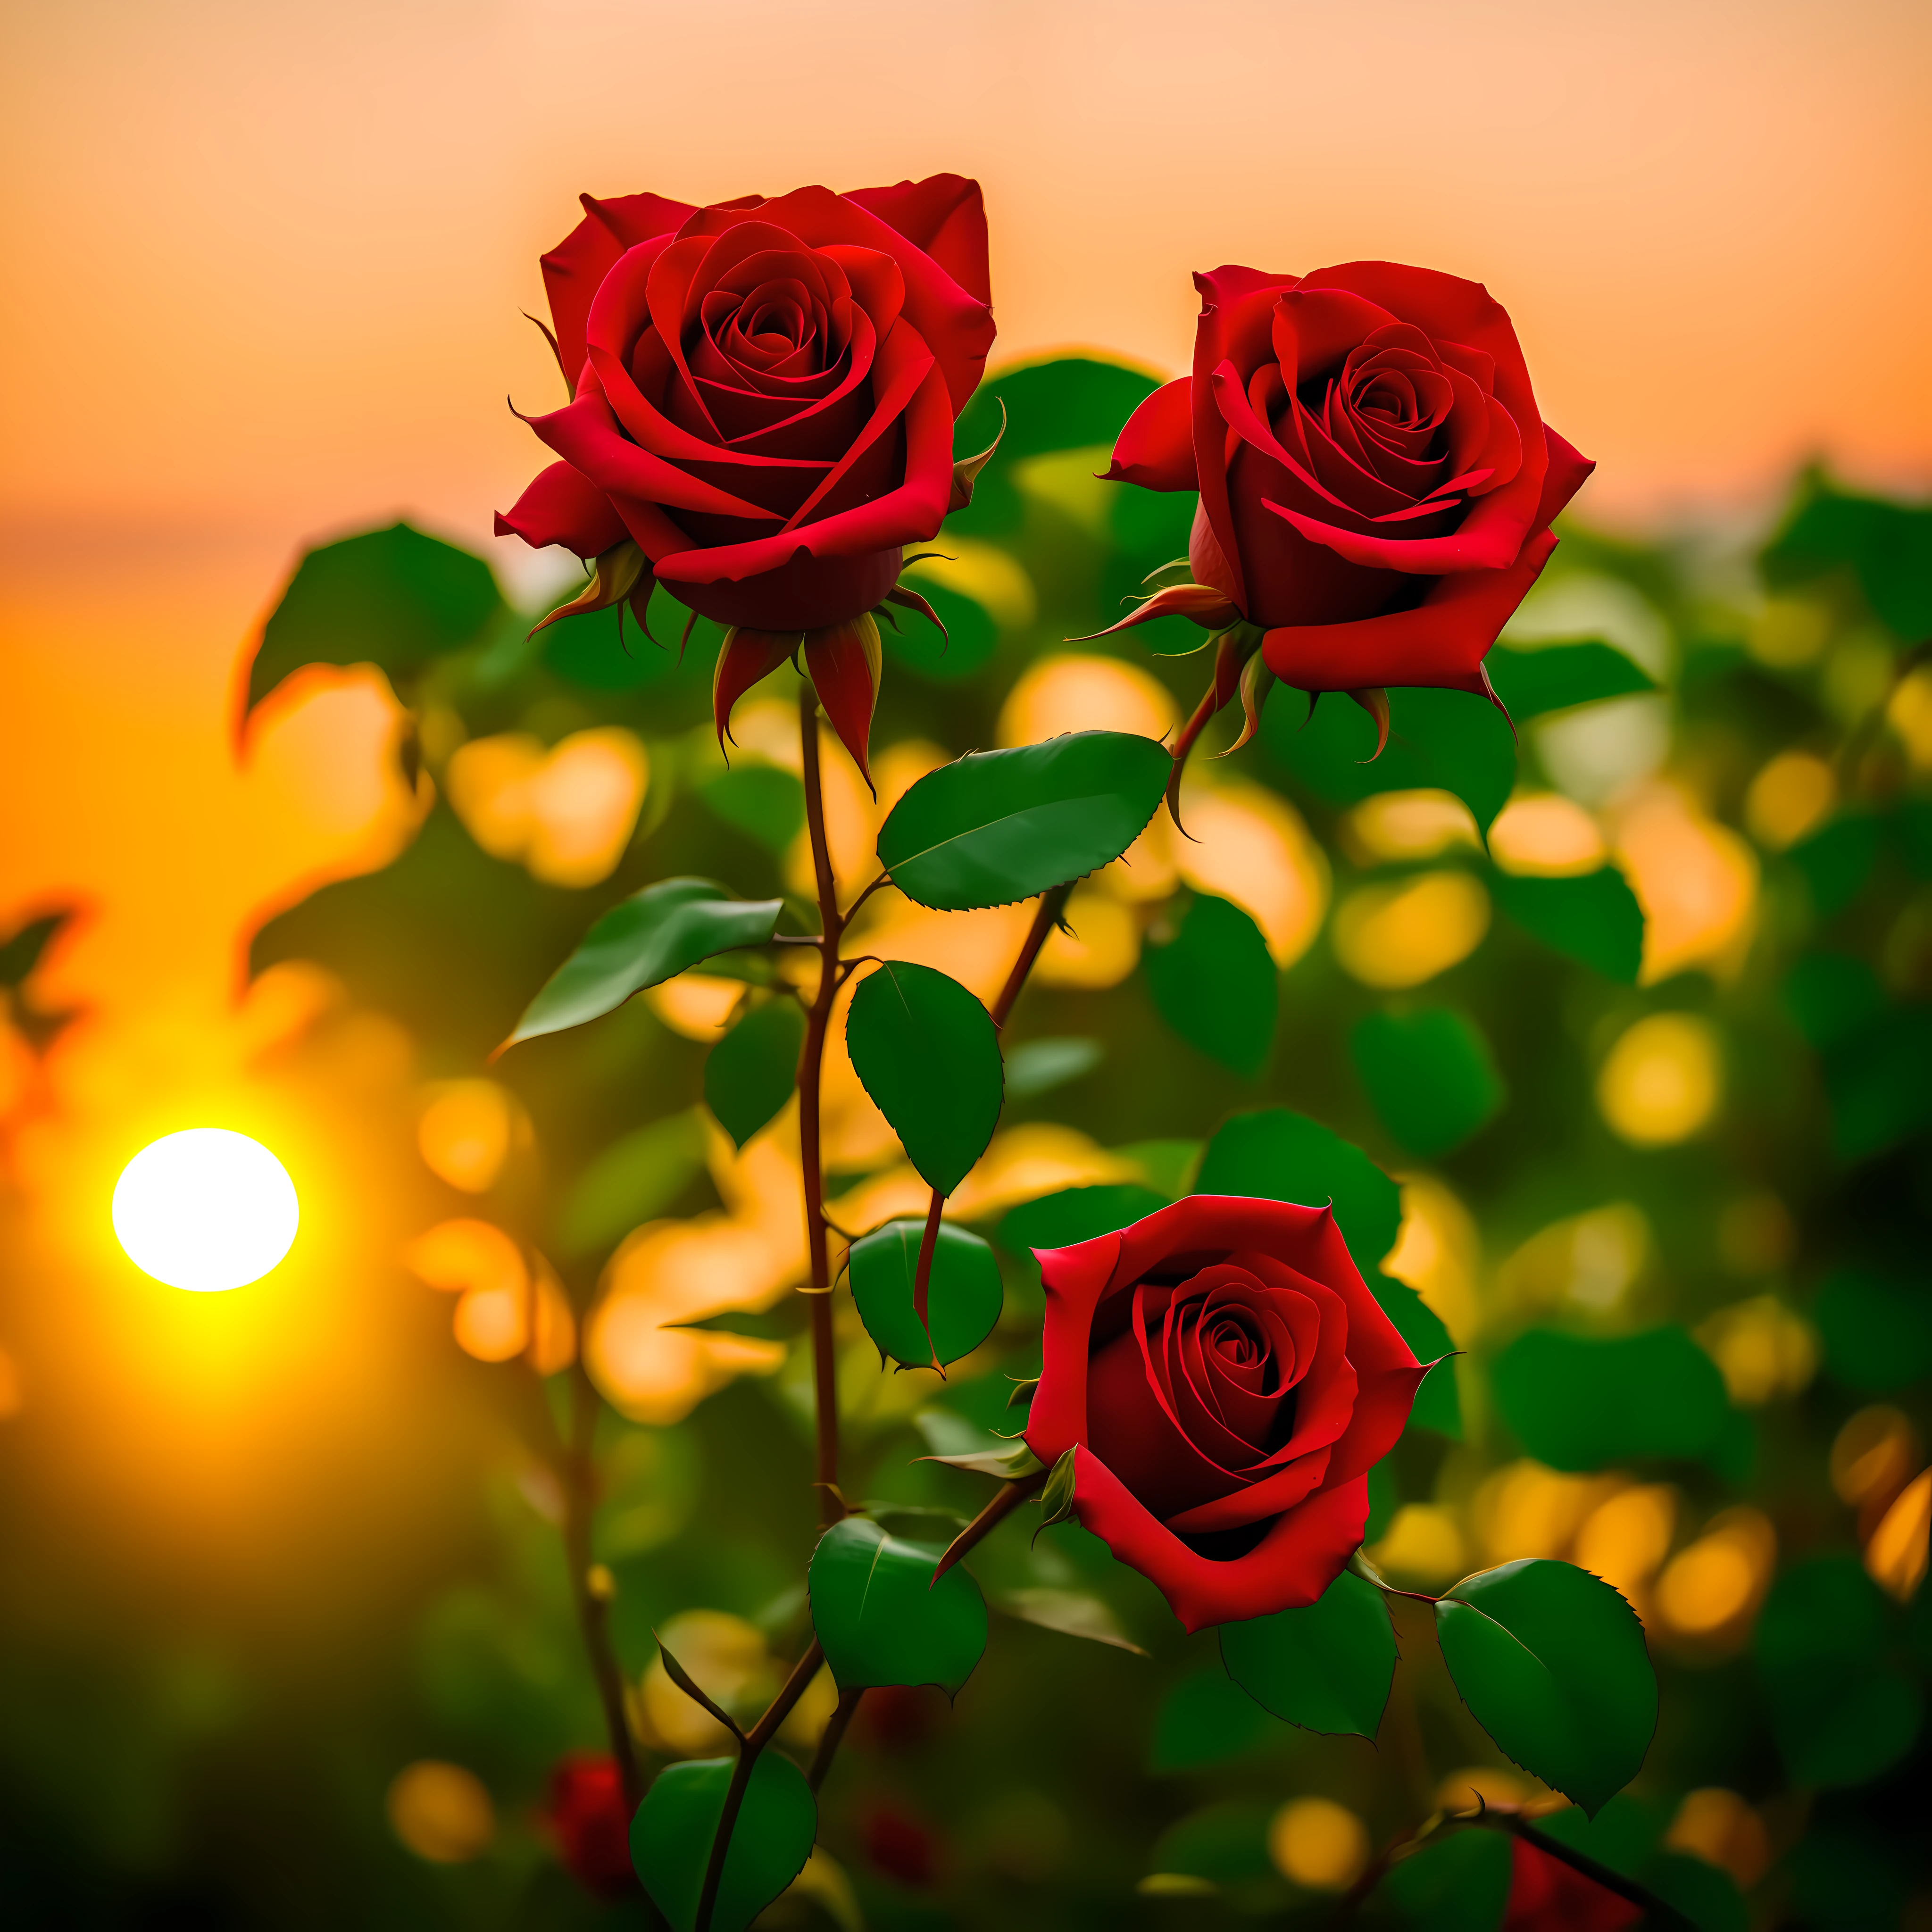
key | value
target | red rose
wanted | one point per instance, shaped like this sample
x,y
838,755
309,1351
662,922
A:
x,y
1227,1379
591,1823
1376,483
763,396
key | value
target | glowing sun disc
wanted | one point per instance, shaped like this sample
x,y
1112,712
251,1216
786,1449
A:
x,y
206,1210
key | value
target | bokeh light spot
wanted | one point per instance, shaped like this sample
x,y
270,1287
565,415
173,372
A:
x,y
1789,796
441,1812
1659,1083
206,1210
1316,1843
1546,836
1400,935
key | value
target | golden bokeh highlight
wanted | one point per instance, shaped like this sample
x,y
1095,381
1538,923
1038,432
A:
x,y
1398,935
466,1132
696,1005
1909,714
508,1305
1695,879
1626,1537
1318,1844
1662,1080
1896,1551
1525,1509
1789,632
730,1661
464,1255
1438,1252
1423,1544
1721,1827
1873,1455
1544,835
1408,825
1077,692
1792,794
1098,945
1589,1261
1763,1349
442,1812
1248,845
1709,1591
566,813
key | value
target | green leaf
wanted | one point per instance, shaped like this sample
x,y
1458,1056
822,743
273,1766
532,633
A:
x,y
1460,1883
590,649
1226,1842
394,598
764,801
1281,1156
1447,740
1595,918
1208,1719
671,1837
1841,1710
1076,1214
1067,402
1876,1329
1038,1066
971,635
964,1296
1167,1166
1556,676
1430,1076
1214,983
1071,1613
995,826
928,1054
749,1076
1832,996
1580,1402
633,1181
1838,859
1706,1894
881,1617
1439,1403
651,937
1887,546
1006,1463
1879,1084
1552,1663
1327,1668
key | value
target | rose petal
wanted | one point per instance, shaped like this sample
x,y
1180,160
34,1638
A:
x,y
574,269
563,506
1288,1569
1156,449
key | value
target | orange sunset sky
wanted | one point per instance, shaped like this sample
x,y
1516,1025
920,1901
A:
x,y
266,264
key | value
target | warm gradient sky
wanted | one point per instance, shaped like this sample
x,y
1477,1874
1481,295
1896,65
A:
x,y
266,262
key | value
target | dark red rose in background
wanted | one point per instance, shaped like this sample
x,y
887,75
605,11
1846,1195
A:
x,y
1227,1380
763,393
591,1823
1376,483
1546,1895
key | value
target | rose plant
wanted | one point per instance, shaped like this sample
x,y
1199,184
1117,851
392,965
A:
x,y
762,401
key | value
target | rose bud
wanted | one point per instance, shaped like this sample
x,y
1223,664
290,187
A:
x,y
591,1824
1225,1379
763,394
1376,485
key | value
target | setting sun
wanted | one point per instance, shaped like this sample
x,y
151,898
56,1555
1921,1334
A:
x,y
206,1210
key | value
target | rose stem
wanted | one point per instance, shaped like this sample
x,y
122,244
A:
x,y
1661,1914
833,1735
1047,911
818,1018
755,1740
1006,1500
578,1469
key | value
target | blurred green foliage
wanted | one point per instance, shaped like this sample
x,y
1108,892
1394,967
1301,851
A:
x,y
155,1780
